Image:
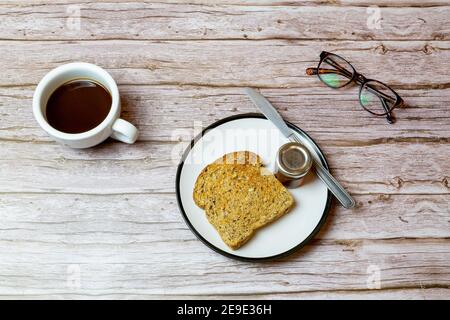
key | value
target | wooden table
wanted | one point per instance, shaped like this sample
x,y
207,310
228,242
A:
x,y
104,222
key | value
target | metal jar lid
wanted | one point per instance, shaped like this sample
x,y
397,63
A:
x,y
294,160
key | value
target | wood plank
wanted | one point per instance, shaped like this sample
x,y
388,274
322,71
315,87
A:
x,y
337,3
151,21
376,294
174,267
333,117
126,219
114,168
273,64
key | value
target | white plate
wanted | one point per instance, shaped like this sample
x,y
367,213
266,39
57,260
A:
x,y
253,132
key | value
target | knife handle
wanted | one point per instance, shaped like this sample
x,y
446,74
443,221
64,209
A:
x,y
333,185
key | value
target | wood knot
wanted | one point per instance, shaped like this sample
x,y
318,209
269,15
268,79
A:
x,y
381,49
349,245
445,182
147,160
152,66
359,204
397,182
384,197
428,49
61,160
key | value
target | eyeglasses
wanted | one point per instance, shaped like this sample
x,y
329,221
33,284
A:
x,y
374,96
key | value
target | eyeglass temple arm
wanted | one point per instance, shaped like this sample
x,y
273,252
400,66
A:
x,y
339,70
388,112
380,94
383,99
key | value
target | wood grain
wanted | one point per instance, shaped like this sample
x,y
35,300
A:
x,y
229,63
110,212
151,21
136,218
192,269
336,3
116,168
167,113
397,294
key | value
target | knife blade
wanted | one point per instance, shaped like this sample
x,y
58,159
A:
x,y
269,111
272,115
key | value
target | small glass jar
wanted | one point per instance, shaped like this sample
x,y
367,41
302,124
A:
x,y
292,164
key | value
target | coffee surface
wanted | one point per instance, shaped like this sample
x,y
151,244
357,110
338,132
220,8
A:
x,y
78,106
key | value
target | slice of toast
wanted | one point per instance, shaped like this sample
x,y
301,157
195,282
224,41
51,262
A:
x,y
240,196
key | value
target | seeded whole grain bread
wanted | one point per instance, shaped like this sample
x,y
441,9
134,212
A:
x,y
240,196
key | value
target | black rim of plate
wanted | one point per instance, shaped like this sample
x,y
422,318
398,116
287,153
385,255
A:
x,y
209,244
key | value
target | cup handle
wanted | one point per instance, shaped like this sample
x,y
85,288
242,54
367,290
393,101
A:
x,y
124,131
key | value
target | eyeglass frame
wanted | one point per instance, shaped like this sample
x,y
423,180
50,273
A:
x,y
361,80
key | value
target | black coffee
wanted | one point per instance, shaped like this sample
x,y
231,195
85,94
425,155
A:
x,y
78,106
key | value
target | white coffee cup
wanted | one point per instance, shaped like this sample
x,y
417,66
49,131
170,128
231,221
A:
x,y
111,126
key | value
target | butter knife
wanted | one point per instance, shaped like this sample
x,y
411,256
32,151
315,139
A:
x,y
272,115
